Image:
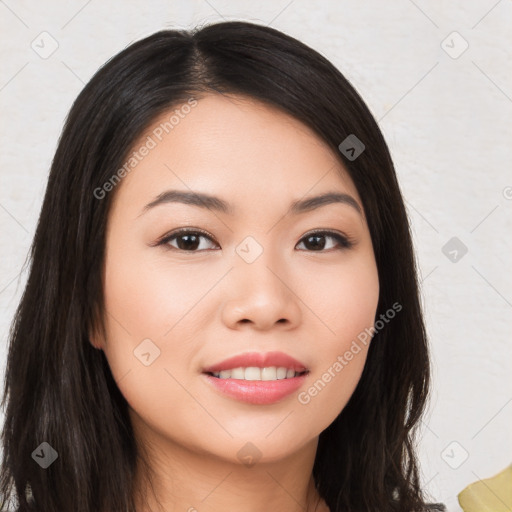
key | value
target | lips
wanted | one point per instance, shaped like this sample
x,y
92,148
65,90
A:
x,y
259,360
256,391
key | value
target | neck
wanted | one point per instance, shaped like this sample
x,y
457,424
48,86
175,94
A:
x,y
179,478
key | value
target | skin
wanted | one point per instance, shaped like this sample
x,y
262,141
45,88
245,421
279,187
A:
x,y
259,160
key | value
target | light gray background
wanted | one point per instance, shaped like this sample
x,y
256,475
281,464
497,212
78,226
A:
x,y
446,118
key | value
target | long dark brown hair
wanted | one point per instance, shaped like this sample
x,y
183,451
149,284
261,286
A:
x,y
59,389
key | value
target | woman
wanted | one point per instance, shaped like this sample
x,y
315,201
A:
x,y
222,311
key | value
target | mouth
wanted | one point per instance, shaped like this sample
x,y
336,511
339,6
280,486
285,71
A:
x,y
254,373
257,378
256,390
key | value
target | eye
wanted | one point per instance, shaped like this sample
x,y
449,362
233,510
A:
x,y
189,240
316,241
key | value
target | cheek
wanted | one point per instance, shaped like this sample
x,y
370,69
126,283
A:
x,y
141,307
152,308
145,316
329,391
345,299
151,297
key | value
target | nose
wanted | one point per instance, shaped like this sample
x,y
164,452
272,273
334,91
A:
x,y
262,295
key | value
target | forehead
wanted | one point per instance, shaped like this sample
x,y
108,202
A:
x,y
235,147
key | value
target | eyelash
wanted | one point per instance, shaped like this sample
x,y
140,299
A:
x,y
343,241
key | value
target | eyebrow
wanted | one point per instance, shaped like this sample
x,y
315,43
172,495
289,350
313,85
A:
x,y
210,202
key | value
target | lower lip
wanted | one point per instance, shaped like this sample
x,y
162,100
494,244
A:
x,y
259,392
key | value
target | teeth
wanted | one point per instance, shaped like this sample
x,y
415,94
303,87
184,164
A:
x,y
255,373
235,373
269,373
281,372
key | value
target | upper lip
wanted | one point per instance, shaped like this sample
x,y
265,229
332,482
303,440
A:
x,y
257,359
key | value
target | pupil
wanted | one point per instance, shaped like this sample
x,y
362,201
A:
x,y
316,245
195,242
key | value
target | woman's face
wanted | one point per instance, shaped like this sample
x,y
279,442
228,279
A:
x,y
255,280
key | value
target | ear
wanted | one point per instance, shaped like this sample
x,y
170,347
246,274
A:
x,y
95,343
96,339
